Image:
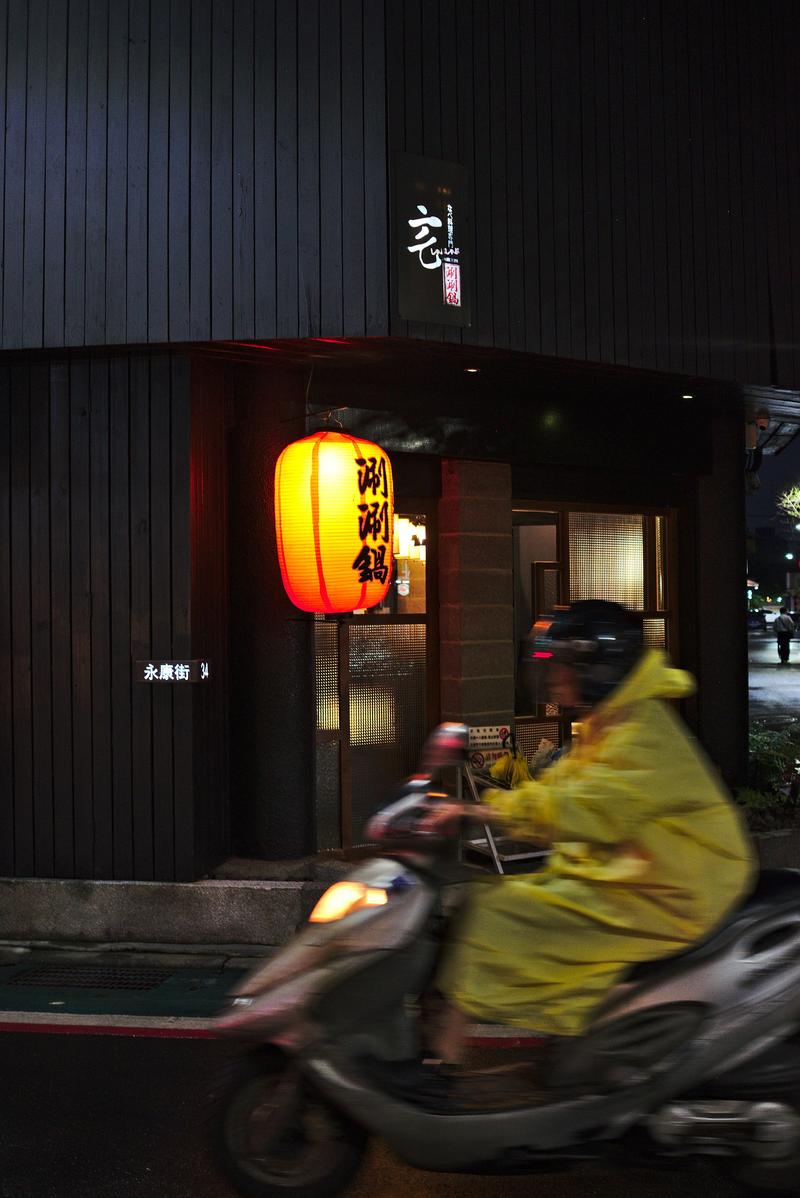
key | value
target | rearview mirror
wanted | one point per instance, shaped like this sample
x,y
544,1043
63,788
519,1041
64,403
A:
x,y
446,745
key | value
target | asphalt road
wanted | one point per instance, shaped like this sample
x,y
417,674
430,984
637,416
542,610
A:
x,y
106,1117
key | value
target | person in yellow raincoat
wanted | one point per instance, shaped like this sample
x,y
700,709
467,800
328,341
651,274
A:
x,y
648,852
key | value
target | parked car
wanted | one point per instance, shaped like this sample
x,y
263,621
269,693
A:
x,y
756,619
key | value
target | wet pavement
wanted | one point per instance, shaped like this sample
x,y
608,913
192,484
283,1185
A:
x,y
87,1117
774,688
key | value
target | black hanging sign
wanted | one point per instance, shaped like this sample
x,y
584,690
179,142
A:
x,y
432,241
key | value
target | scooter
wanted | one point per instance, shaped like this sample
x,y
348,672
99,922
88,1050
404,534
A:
x,y
696,1055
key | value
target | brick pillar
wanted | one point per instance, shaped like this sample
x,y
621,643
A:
x,y
476,592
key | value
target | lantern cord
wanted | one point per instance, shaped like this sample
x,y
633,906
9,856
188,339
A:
x,y
325,413
308,385
331,418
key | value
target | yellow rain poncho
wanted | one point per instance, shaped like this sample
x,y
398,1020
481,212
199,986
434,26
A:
x,y
648,855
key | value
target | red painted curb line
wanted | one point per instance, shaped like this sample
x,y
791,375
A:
x,y
201,1033
96,1029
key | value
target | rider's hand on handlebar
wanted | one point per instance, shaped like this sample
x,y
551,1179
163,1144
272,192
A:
x,y
444,818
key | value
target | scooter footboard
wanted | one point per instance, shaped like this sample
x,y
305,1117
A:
x,y
470,1142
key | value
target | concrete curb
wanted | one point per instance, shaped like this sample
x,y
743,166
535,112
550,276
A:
x,y
216,911
780,849
218,914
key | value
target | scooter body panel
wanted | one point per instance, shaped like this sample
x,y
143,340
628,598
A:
x,y
659,1036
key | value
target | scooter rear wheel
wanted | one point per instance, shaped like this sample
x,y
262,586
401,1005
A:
x,y
278,1139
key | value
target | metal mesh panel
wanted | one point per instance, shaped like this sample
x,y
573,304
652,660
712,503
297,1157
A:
x,y
530,732
326,666
655,633
661,565
606,557
92,977
388,682
550,596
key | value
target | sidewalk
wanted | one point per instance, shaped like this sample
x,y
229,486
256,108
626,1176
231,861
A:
x,y
774,688
116,992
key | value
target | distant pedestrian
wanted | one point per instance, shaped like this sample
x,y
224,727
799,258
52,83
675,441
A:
x,y
784,630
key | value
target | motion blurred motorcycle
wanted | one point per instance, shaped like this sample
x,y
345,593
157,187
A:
x,y
693,1056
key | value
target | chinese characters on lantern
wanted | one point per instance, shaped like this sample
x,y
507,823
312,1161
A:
x,y
172,671
373,560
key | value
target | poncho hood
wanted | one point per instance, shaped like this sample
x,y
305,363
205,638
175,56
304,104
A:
x,y
651,678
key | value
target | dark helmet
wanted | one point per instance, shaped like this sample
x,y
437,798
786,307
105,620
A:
x,y
602,641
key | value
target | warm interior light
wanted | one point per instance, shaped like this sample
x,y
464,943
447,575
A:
x,y
472,370
343,898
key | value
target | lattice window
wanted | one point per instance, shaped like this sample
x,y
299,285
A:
x,y
529,734
326,667
661,564
655,633
606,557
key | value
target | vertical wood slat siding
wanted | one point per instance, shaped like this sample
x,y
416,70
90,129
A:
x,y
185,738
14,192
79,530
61,616
137,181
21,794
95,768
286,169
179,169
75,168
35,107
6,632
308,170
120,621
207,169
41,645
265,281
158,146
658,156
55,177
102,594
116,277
193,169
96,168
209,612
222,219
142,641
243,171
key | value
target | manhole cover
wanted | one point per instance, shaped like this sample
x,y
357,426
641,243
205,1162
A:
x,y
92,977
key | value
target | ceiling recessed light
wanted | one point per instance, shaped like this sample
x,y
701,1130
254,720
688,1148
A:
x,y
472,370
687,397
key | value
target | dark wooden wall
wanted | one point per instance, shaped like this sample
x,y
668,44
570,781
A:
x,y
635,167
97,770
208,169
192,170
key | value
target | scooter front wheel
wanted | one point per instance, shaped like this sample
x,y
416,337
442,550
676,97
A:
x,y
276,1138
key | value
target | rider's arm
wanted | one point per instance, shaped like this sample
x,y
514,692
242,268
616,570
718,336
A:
x,y
598,799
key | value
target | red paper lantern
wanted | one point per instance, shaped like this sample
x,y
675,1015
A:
x,y
334,518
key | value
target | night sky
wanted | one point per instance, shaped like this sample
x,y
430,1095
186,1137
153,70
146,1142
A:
x,y
777,473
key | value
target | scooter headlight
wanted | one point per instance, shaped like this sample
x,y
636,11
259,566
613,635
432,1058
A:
x,y
343,898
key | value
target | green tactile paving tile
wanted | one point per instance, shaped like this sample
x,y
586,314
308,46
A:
x,y
119,990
